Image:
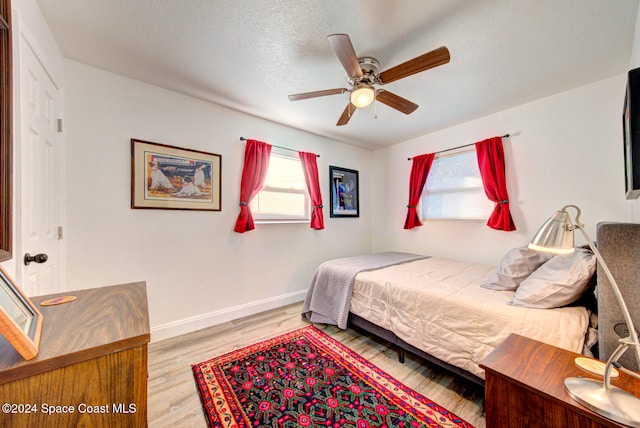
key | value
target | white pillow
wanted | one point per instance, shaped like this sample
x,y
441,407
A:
x,y
558,282
515,267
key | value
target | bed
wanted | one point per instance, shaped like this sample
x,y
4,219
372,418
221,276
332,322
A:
x,y
453,313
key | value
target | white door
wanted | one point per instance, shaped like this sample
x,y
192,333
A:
x,y
39,187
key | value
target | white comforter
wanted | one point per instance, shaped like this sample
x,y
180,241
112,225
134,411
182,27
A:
x,y
437,305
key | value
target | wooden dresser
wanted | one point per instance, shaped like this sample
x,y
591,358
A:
x,y
524,387
91,369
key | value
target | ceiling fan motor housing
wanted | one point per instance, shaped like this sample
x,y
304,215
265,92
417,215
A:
x,y
370,68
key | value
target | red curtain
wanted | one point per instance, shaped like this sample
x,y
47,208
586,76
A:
x,y
310,169
492,169
419,172
256,164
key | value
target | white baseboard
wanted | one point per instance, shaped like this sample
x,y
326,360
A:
x,y
187,325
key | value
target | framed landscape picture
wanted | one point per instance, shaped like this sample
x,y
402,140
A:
x,y
168,177
345,200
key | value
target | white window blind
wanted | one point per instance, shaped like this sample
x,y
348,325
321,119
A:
x,y
454,189
284,197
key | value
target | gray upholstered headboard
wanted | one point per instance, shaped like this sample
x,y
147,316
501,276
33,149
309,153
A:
x,y
619,244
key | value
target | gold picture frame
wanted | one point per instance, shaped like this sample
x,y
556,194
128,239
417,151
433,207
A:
x,y
169,177
20,319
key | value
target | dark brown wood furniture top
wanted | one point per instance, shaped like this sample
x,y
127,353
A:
x,y
92,366
84,329
6,133
525,378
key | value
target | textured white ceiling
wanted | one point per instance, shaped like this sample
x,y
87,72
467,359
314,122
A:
x,y
250,54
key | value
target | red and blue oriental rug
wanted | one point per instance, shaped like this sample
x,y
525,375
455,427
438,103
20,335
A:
x,y
307,379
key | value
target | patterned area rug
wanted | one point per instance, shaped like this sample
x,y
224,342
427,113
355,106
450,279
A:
x,y
305,378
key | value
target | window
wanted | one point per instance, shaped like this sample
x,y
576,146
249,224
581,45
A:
x,y
284,196
454,189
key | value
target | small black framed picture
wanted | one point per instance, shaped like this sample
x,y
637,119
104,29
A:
x,y
345,198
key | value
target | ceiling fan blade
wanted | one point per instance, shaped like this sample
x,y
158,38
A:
x,y
416,65
314,94
396,101
341,45
346,114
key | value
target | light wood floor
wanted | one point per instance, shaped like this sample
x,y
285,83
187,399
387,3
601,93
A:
x,y
174,400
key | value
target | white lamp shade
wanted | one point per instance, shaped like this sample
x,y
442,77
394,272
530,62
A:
x,y
555,235
362,96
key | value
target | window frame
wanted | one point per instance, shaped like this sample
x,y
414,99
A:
x,y
481,216
261,218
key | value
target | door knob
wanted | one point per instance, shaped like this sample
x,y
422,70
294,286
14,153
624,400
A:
x,y
38,258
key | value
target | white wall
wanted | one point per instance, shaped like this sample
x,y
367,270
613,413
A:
x,y
198,271
563,149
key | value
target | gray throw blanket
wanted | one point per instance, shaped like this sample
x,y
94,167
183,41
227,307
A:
x,y
329,294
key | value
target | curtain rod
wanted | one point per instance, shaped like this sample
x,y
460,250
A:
x,y
280,147
459,147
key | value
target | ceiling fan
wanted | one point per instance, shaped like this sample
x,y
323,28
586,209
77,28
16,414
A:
x,y
364,73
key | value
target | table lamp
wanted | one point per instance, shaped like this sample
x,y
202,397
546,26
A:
x,y
556,236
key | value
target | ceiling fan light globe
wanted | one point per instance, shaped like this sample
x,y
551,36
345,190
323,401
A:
x,y
362,96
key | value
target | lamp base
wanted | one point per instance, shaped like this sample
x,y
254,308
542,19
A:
x,y
613,403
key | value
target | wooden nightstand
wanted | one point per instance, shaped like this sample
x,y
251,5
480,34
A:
x,y
524,387
92,366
